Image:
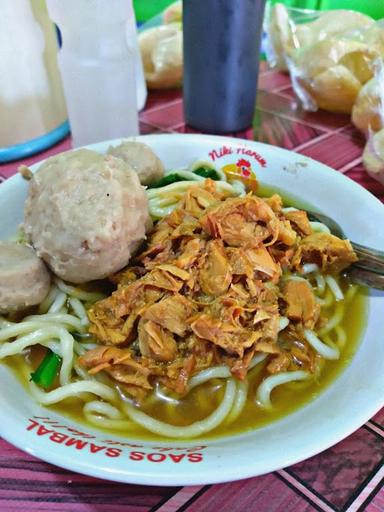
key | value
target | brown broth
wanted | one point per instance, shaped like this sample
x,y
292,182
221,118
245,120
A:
x,y
201,401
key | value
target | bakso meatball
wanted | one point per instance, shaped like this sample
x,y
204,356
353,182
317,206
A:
x,y
85,213
24,279
141,158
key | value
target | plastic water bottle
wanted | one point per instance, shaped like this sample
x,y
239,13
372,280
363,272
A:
x,y
133,42
221,62
97,65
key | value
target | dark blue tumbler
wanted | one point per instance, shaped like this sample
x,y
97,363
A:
x,y
221,62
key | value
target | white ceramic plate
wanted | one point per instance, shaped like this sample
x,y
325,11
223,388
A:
x,y
343,407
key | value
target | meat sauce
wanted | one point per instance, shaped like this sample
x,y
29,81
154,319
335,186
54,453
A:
x,y
202,400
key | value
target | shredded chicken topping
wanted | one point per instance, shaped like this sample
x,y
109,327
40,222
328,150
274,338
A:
x,y
211,287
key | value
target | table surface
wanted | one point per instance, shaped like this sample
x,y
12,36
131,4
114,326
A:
x,y
347,477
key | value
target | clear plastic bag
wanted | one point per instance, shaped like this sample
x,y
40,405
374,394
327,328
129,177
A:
x,y
368,116
161,47
336,62
373,156
289,29
330,54
329,74
368,109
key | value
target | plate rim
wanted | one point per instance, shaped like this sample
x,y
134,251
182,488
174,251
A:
x,y
204,476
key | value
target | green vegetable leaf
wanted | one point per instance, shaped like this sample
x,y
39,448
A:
x,y
167,180
47,371
205,172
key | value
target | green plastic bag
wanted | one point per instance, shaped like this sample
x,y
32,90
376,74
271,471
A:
x,y
374,8
147,9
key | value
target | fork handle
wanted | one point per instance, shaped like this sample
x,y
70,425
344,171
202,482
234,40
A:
x,y
369,259
365,277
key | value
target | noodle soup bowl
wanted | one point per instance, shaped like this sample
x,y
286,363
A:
x,y
351,399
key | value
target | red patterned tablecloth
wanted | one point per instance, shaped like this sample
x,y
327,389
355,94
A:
x,y
347,477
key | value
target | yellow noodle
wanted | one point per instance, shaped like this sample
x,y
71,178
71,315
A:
x,y
193,430
263,393
335,319
73,291
239,403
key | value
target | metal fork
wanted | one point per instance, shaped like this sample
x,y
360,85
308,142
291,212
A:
x,y
369,269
